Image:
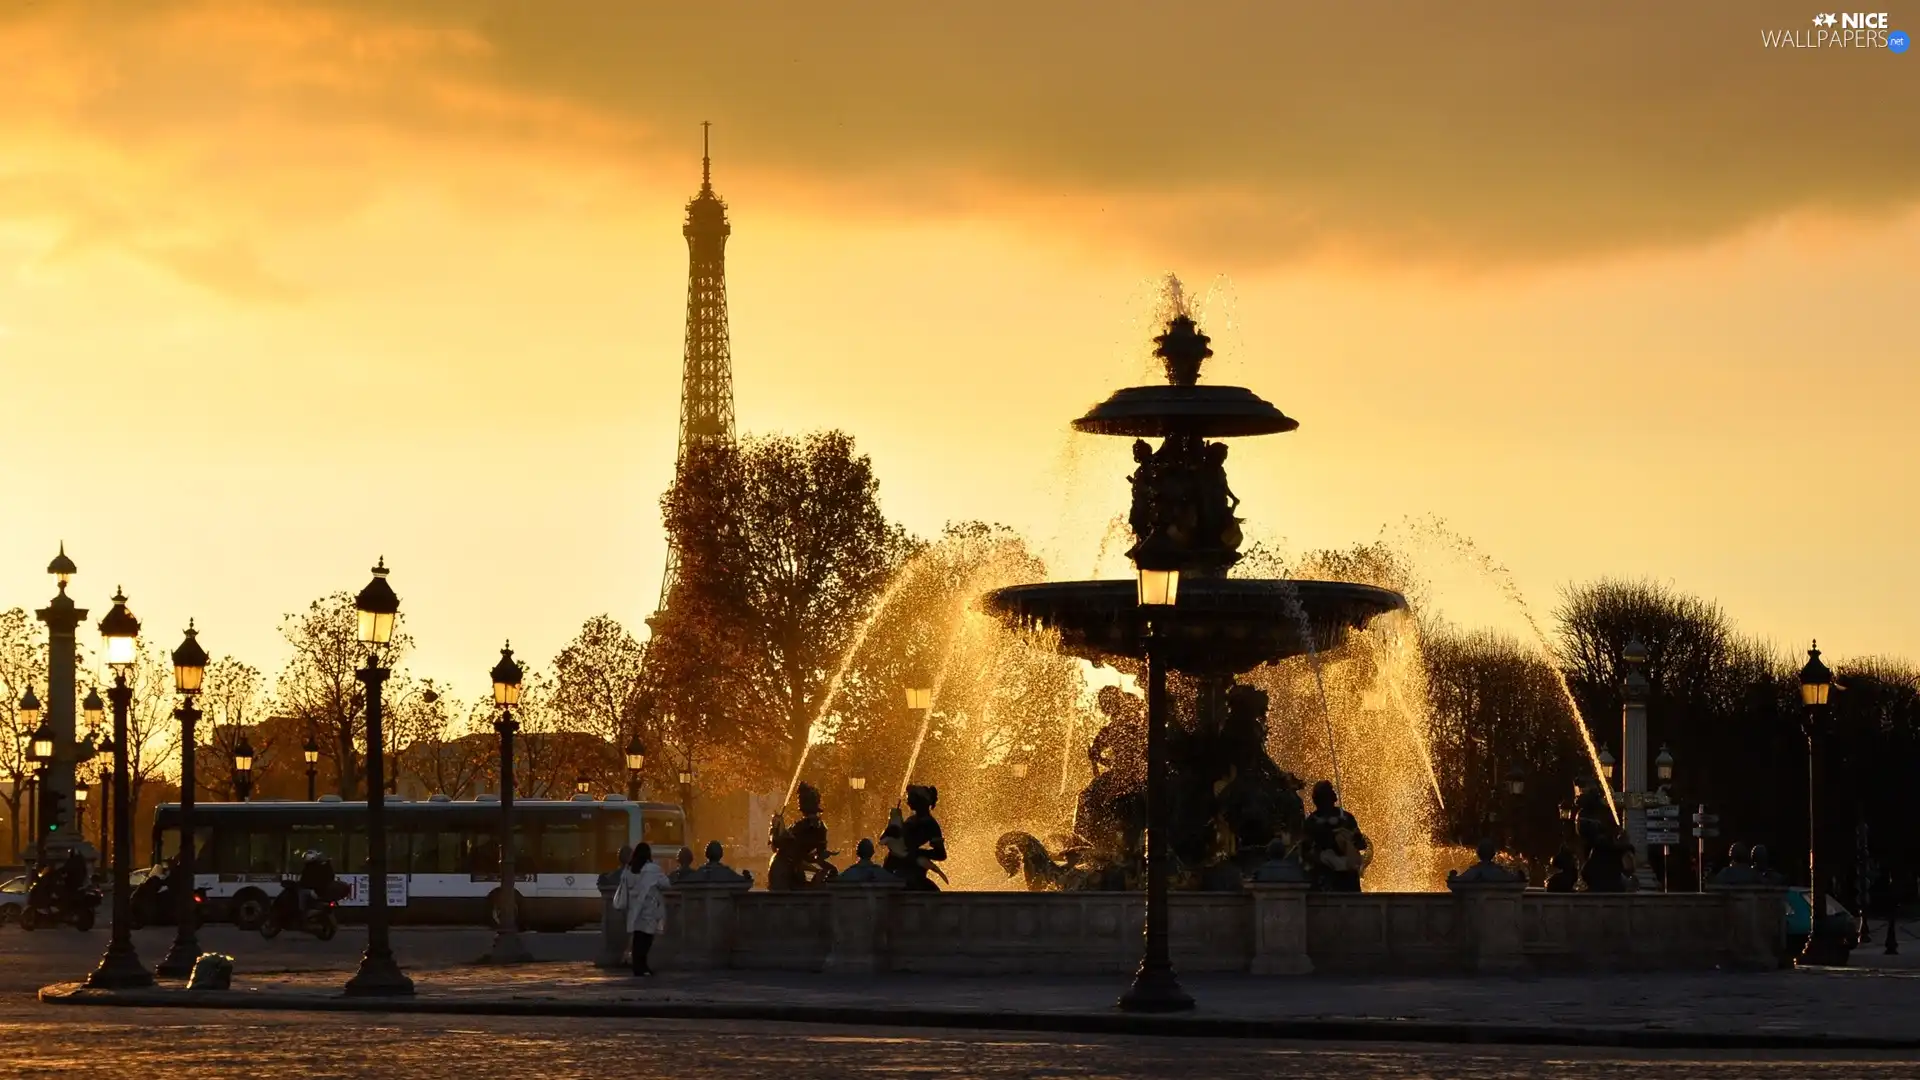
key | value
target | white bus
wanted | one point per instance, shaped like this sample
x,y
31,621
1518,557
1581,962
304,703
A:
x,y
443,857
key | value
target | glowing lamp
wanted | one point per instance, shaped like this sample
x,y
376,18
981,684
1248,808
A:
x,y
121,632
1816,682
507,675
378,606
1158,588
189,663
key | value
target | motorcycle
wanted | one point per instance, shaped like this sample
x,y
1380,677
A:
x,y
153,903
49,908
284,913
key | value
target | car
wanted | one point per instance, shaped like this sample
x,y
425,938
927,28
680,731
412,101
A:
x,y
13,897
1800,908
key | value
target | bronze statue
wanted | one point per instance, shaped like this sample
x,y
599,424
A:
x,y
914,844
1609,857
800,852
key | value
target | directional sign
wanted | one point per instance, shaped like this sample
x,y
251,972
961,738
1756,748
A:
x,y
1706,819
1663,836
1663,812
1706,833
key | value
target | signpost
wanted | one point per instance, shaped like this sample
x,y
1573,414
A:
x,y
1663,828
1704,829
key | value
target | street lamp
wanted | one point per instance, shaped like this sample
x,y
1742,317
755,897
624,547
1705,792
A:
x,y
858,785
189,672
686,799
1816,684
107,773
311,754
1663,766
583,784
243,769
1607,763
120,967
40,753
507,946
1019,770
80,808
95,711
1516,788
636,758
378,608
1155,986
919,698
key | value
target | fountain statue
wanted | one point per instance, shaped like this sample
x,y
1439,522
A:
x,y
1229,801
914,845
800,850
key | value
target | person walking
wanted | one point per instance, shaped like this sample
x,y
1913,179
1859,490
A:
x,y
642,896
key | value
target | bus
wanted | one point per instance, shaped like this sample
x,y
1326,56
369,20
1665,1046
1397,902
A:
x,y
443,856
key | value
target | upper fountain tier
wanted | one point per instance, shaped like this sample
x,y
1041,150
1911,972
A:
x,y
1184,518
1183,407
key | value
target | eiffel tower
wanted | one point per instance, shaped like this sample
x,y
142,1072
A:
x,y
706,380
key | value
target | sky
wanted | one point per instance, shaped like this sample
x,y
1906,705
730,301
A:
x,y
1610,289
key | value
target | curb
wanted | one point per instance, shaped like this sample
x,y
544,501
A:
x,y
1075,1023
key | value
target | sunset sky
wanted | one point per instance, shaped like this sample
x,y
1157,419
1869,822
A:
x,y
1611,289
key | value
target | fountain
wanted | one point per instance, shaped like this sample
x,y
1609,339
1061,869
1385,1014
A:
x,y
1229,800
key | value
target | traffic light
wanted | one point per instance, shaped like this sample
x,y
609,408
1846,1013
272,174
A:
x,y
54,806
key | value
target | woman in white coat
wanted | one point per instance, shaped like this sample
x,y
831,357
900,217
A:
x,y
643,897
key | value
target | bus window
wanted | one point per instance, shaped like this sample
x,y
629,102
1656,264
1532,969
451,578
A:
x,y
662,831
202,847
483,853
613,837
566,847
437,852
266,850
356,861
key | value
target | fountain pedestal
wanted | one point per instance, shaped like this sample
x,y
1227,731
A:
x,y
1279,929
1490,912
858,914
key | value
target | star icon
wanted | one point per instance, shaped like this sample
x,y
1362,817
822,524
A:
x,y
1831,19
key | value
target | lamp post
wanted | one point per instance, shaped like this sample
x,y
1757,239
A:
x,y
1663,766
79,808
1634,758
243,769
1663,774
507,946
42,754
1816,684
583,784
1607,764
311,754
95,710
636,759
29,714
189,671
858,785
1516,790
120,967
378,608
686,799
1155,986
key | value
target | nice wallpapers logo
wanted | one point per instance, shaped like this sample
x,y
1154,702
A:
x,y
1840,30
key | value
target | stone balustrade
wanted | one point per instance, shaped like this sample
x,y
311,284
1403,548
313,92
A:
x,y
1267,929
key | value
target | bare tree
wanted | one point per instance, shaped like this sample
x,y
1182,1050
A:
x,y
20,667
320,684
233,706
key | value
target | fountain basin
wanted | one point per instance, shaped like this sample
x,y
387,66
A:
x,y
1152,412
1220,626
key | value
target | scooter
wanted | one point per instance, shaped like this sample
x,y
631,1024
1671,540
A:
x,y
47,907
285,914
153,903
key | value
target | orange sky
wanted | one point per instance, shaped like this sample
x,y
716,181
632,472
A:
x,y
284,287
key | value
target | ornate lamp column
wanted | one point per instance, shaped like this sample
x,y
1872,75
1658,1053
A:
x,y
243,769
378,608
1824,946
507,946
63,619
1155,986
189,671
1634,758
120,967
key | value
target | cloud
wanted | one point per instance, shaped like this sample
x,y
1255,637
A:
x,y
1247,132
